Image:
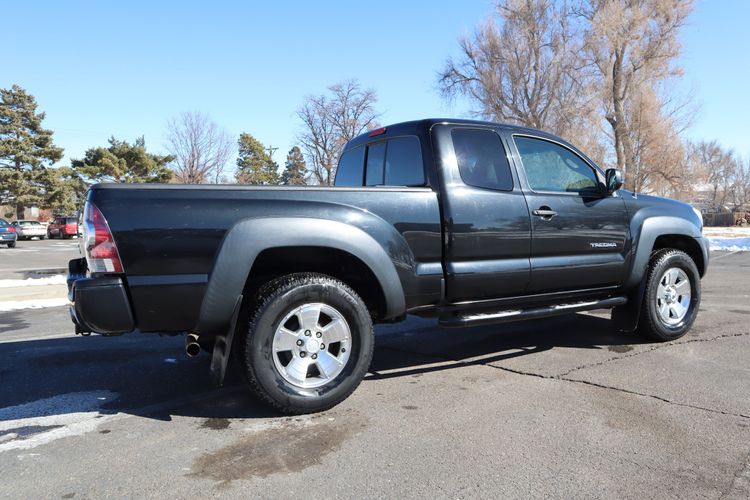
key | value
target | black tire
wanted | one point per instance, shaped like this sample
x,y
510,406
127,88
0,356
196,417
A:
x,y
41,238
12,244
272,303
651,323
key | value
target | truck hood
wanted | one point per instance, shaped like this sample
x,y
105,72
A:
x,y
644,205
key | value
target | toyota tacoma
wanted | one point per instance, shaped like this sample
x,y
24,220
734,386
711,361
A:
x,y
469,222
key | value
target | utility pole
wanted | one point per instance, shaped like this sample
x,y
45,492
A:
x,y
271,150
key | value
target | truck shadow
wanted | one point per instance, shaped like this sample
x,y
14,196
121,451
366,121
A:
x,y
149,376
417,352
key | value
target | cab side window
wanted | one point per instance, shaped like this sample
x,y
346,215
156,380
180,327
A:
x,y
553,168
481,159
403,162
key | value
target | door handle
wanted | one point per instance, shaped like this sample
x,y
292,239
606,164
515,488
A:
x,y
544,212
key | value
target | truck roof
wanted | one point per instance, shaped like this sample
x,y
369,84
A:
x,y
423,126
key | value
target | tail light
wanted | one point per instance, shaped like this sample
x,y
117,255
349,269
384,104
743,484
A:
x,y
99,245
11,229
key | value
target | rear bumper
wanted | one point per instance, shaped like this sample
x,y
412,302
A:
x,y
7,237
98,304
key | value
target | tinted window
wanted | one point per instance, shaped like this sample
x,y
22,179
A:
x,y
375,163
71,220
551,167
3,223
481,159
403,162
351,168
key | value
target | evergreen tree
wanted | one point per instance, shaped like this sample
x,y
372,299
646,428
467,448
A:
x,y
25,148
68,192
295,169
254,164
123,162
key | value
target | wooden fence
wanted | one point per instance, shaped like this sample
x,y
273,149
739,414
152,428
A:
x,y
726,219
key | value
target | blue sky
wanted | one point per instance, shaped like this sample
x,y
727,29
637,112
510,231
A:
x,y
99,68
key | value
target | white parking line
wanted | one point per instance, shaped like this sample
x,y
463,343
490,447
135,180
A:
x,y
724,255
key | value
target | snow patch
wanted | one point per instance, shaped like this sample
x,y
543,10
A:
x,y
72,414
57,279
730,244
16,305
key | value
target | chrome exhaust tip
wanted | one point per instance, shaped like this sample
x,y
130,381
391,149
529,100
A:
x,y
192,347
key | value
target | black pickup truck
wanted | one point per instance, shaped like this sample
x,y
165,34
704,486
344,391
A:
x,y
469,222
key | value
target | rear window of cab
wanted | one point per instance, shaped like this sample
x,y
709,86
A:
x,y
391,162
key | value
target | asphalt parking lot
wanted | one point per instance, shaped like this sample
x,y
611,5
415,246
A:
x,y
34,258
564,407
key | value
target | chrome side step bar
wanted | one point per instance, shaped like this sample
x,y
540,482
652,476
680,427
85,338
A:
x,y
491,318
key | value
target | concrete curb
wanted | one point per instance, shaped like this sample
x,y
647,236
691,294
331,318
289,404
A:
x,y
33,292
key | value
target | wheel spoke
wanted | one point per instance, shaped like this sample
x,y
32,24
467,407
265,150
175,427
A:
x,y
664,310
335,331
297,368
285,340
671,276
683,287
680,308
328,365
308,316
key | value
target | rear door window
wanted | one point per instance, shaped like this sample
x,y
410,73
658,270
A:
x,y
481,159
403,162
350,171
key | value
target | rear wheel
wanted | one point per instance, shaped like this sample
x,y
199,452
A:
x,y
673,295
12,244
308,344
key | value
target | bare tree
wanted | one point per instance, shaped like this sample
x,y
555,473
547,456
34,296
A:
x,y
718,167
632,45
524,67
659,162
330,121
739,191
199,147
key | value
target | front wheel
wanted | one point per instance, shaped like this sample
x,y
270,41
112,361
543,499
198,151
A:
x,y
308,344
673,295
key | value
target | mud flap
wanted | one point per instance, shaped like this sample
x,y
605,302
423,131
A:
x,y
625,318
223,347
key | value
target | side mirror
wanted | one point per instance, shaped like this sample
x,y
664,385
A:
x,y
613,179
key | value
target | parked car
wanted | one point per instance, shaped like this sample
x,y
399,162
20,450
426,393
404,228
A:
x,y
27,229
63,227
8,234
472,223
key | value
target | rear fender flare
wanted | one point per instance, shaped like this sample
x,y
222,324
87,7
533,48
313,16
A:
x,y
242,245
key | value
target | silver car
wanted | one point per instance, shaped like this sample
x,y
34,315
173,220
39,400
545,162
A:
x,y
27,229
